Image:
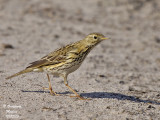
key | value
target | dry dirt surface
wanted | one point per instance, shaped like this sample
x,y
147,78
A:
x,y
121,75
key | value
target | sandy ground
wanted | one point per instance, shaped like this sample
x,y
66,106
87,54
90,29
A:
x,y
121,75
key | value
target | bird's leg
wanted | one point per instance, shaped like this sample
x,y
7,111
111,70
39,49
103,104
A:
x,y
77,95
50,87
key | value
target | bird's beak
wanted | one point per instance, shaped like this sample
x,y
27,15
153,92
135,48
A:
x,y
104,38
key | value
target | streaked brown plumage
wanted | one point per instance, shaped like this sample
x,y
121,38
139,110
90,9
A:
x,y
64,60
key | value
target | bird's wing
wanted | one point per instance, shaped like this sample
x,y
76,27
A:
x,y
53,58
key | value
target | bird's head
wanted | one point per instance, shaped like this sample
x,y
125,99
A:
x,y
94,38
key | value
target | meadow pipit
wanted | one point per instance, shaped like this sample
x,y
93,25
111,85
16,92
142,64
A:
x,y
65,60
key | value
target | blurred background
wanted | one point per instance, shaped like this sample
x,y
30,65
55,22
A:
x,y
128,63
39,27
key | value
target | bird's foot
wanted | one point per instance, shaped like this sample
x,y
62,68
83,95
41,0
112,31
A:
x,y
51,91
81,98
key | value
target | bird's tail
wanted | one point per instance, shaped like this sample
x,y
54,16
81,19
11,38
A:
x,y
21,72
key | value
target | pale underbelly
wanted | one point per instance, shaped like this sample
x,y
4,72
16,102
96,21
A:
x,y
62,70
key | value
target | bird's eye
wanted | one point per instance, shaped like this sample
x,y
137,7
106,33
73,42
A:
x,y
95,37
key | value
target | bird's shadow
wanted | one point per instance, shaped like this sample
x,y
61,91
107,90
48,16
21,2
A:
x,y
62,93
117,96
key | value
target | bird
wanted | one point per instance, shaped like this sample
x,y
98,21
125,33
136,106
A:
x,y
64,61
